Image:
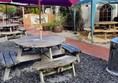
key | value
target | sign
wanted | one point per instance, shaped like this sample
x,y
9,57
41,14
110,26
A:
x,y
35,19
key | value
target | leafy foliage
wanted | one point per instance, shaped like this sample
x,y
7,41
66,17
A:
x,y
69,13
10,9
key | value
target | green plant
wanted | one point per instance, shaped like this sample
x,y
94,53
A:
x,y
60,20
69,12
46,24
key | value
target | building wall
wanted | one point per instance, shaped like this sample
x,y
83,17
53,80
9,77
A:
x,y
86,12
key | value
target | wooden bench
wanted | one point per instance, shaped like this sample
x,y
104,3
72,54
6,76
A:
x,y
103,31
64,61
57,65
6,34
23,30
71,49
9,58
106,32
95,31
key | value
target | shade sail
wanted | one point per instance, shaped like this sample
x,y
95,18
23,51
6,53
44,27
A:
x,y
5,0
49,2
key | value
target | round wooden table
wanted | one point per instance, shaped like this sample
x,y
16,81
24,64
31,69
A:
x,y
35,42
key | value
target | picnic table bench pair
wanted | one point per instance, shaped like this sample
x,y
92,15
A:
x,y
21,31
106,33
66,61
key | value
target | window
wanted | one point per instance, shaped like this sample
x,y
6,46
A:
x,y
105,13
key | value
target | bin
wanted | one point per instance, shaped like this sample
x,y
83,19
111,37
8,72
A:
x,y
113,57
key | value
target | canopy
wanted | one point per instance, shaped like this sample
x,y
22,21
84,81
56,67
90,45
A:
x,y
93,10
45,2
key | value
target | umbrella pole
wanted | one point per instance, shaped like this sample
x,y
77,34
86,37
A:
x,y
74,21
39,7
6,14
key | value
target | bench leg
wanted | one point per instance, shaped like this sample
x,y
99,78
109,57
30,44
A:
x,y
105,34
6,74
21,35
41,77
73,68
89,35
19,52
78,58
25,33
6,37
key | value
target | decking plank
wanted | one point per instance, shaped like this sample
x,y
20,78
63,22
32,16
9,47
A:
x,y
2,62
8,60
70,48
59,62
14,57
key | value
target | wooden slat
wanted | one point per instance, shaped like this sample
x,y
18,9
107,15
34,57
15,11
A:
x,y
8,59
70,48
58,62
14,57
9,33
2,62
25,58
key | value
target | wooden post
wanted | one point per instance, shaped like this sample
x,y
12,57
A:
x,y
3,18
19,52
50,53
73,68
41,77
23,13
39,6
6,73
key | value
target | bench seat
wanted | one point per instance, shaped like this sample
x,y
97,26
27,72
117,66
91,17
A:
x,y
6,34
71,49
60,64
9,58
23,30
103,31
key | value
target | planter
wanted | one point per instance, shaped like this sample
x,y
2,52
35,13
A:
x,y
46,28
58,29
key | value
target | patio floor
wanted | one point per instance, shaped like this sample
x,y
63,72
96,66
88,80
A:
x,y
93,50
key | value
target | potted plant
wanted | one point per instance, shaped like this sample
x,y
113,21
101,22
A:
x,y
46,26
57,24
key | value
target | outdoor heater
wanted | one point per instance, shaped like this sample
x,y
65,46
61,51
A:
x,y
113,57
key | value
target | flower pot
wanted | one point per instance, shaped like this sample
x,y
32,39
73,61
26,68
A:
x,y
46,28
58,29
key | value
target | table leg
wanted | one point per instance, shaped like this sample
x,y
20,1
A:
x,y
6,37
105,35
10,29
110,26
19,52
50,53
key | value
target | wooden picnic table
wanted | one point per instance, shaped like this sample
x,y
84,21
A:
x,y
11,26
107,28
111,24
35,42
13,30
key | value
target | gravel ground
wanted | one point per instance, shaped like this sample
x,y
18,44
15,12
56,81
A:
x,y
89,70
